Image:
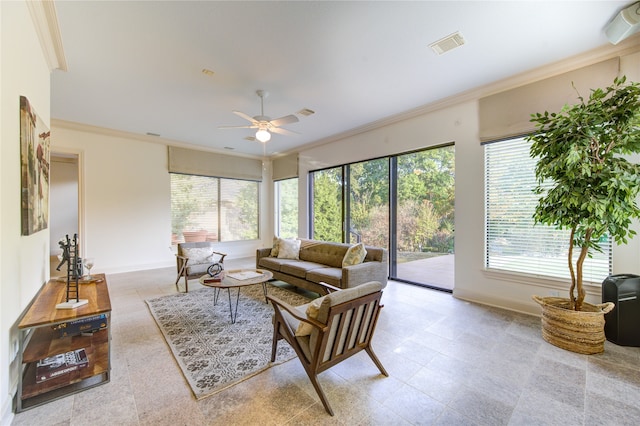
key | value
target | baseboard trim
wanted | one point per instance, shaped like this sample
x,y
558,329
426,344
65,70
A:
x,y
497,302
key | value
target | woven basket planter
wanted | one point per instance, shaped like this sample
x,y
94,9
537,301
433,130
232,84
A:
x,y
576,331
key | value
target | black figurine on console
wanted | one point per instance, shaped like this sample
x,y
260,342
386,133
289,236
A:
x,y
70,249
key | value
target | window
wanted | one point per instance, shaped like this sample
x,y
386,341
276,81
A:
x,y
513,242
286,192
213,209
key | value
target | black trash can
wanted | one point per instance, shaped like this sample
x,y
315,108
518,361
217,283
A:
x,y
622,325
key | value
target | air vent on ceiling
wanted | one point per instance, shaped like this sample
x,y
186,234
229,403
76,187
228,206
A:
x,y
447,43
306,112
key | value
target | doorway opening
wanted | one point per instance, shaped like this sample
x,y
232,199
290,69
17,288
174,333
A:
x,y
64,217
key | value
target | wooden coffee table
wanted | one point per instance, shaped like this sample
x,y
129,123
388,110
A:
x,y
237,278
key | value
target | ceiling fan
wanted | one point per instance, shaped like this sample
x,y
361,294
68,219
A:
x,y
266,125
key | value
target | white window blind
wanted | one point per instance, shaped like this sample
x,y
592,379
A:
x,y
213,209
513,243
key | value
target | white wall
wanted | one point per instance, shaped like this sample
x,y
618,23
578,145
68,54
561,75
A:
x,y
24,264
63,199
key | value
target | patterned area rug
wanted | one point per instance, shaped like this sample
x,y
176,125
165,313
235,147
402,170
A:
x,y
212,353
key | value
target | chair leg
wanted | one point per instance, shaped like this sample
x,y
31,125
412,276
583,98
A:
x,y
375,360
274,343
186,284
320,392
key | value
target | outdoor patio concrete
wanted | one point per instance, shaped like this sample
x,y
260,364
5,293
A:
x,y
435,272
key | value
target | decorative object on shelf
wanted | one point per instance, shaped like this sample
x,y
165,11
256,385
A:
x,y
70,250
57,365
34,169
581,150
88,325
88,263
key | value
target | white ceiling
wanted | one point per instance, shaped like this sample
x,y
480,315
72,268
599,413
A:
x,y
137,66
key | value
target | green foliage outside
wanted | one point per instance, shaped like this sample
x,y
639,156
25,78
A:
x,y
327,205
594,188
425,202
242,217
288,205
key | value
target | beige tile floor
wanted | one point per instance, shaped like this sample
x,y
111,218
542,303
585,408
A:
x,y
450,363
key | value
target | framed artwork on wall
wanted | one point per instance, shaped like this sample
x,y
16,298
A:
x,y
34,161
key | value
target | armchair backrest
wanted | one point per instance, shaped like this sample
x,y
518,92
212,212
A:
x,y
199,253
351,316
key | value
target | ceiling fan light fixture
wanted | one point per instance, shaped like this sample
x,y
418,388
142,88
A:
x,y
263,136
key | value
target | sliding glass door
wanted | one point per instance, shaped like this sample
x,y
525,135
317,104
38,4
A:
x,y
424,234
404,203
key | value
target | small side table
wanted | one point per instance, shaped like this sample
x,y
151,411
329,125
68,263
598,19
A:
x,y
237,278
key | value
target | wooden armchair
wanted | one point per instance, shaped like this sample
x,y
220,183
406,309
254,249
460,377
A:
x,y
330,329
193,260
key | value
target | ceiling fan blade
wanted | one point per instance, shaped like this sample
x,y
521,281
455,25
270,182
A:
x,y
287,119
282,131
237,127
245,116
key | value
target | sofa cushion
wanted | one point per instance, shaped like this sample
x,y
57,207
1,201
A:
x,y
273,263
355,255
311,310
288,249
331,276
300,268
275,247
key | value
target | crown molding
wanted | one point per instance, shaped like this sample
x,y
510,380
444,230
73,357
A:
x,y
87,128
45,20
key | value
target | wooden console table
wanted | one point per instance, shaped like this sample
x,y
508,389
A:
x,y
40,339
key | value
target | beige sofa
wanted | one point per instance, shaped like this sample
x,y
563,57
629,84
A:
x,y
321,261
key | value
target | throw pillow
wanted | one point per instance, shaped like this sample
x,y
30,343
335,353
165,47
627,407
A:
x,y
275,247
354,255
198,255
305,329
289,249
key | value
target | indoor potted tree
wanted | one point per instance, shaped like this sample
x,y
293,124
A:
x,y
593,194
